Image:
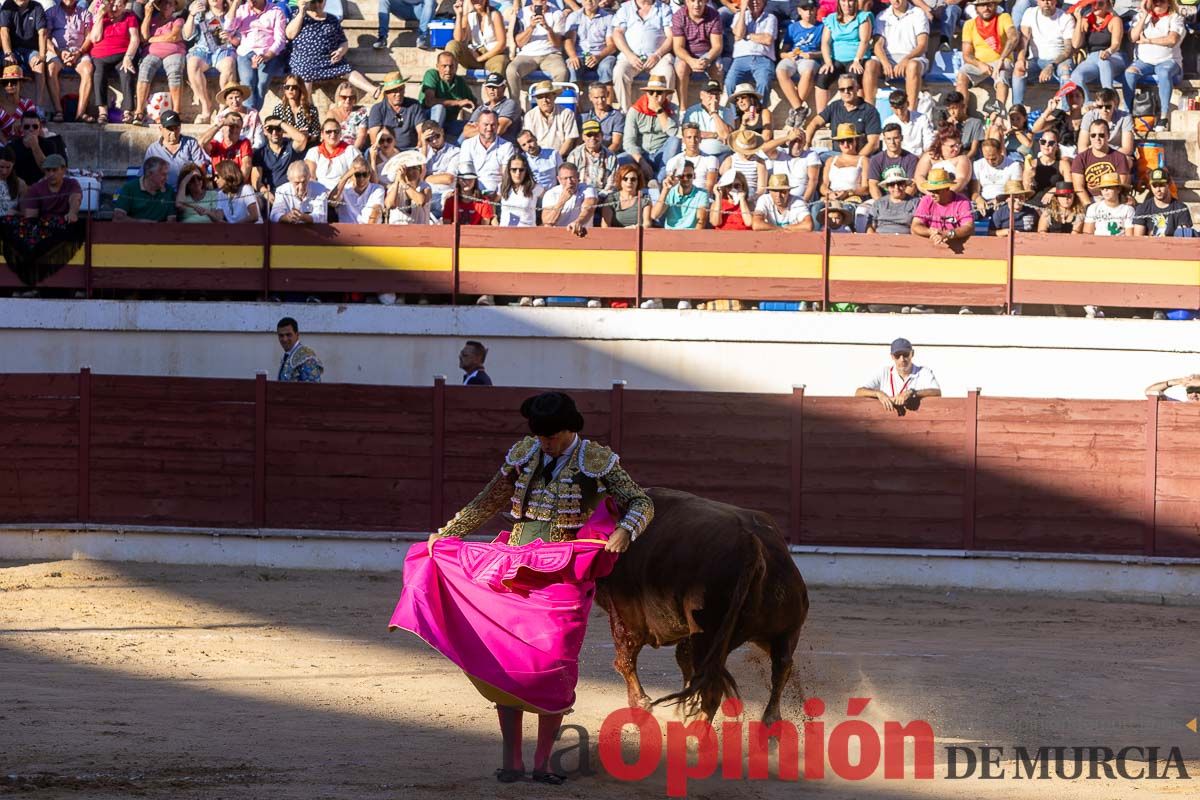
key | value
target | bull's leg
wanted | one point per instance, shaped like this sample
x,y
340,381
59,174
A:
x,y
781,649
628,646
683,657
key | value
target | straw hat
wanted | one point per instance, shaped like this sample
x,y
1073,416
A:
x,y
657,83
894,174
543,88
393,80
234,87
846,130
1014,189
779,181
402,160
1110,180
13,72
746,142
938,179
743,89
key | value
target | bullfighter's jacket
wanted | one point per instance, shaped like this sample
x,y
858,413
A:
x,y
553,503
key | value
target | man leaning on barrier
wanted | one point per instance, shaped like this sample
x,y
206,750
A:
x,y
901,385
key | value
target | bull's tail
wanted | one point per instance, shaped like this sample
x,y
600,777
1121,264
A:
x,y
711,681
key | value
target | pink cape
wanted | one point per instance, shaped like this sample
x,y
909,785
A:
x,y
512,618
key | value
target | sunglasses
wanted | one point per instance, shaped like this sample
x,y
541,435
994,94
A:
x,y
516,169
1049,142
11,83
31,127
1097,135
335,131
273,129
629,178
591,135
345,97
291,87
362,174
845,88
902,354
1106,107
386,140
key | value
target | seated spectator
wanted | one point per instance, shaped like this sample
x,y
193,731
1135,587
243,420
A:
x,y
319,48
1110,215
382,152
269,164
893,154
1159,214
611,121
916,129
970,128
901,386
845,49
1042,174
1091,164
754,33
778,209
947,15
539,42
1012,131
569,204
747,159
626,205
115,38
300,201
166,52
730,209
681,203
174,147
707,167
642,33
257,29
903,34
486,154
296,108
231,99
838,217
195,199
69,24
1048,35
845,175
597,166
233,146
543,162
357,198
749,113
587,41
800,60
652,128
1156,35
33,146
55,195
1064,213
204,29
696,42
893,213
1098,35
12,188
850,108
22,33
397,113
989,42
419,11
943,215
409,197
716,121
446,95
441,163
476,207
148,198
507,110
1120,124
991,174
480,39
1063,115
555,128
353,117
801,165
236,201
331,159
1010,204
947,154
519,195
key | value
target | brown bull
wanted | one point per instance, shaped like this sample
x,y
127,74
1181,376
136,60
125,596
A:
x,y
706,577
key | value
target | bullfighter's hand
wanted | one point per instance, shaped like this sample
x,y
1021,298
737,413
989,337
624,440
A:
x,y
618,542
433,537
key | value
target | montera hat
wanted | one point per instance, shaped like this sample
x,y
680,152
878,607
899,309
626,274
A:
x,y
550,413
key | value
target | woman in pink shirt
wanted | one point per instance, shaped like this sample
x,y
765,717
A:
x,y
166,51
115,40
257,30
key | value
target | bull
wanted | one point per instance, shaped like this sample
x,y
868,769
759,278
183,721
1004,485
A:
x,y
706,577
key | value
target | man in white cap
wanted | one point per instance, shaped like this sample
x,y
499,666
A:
x,y
777,209
642,33
652,128
539,41
901,385
556,128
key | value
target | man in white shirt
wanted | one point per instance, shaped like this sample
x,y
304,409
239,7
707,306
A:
x,y
991,172
777,209
714,119
1046,47
902,385
569,205
642,33
754,34
801,165
903,31
556,128
300,201
539,42
707,167
441,163
486,155
588,43
543,162
356,199
916,129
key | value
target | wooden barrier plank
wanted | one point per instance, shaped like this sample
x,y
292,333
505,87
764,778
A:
x,y
71,276
1102,534
547,261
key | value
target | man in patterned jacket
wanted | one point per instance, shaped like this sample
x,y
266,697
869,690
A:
x,y
299,363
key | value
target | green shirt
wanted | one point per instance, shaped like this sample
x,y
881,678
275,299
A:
x,y
455,89
140,204
208,201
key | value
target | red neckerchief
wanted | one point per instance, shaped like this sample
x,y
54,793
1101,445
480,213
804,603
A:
x,y
643,106
989,32
338,149
1156,17
1096,23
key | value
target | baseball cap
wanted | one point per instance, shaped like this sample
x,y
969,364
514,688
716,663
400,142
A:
x,y
1066,89
169,119
591,126
713,87
54,160
1159,175
494,79
900,345
806,4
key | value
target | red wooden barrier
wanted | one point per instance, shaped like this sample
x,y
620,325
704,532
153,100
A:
x,y
39,447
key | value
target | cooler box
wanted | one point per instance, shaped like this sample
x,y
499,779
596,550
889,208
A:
x,y
441,31
577,302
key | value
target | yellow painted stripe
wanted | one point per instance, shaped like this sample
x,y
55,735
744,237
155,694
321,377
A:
x,y
728,265
547,261
176,256
1106,270
976,271
411,259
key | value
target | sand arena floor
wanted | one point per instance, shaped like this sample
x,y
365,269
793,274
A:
x,y
128,680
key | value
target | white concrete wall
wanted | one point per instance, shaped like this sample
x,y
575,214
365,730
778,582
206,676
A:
x,y
551,347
